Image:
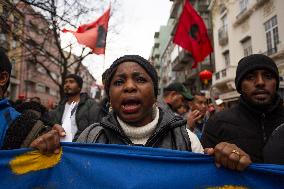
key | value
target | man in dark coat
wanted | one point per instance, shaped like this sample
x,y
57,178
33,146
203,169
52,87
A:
x,y
248,126
84,110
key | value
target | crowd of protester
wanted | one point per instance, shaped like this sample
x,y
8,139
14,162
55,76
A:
x,y
133,113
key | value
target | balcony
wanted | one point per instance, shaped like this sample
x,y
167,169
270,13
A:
x,y
246,13
203,8
224,76
242,12
223,35
181,61
243,15
177,6
270,52
276,53
259,3
191,75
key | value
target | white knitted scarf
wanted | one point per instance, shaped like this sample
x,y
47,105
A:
x,y
140,135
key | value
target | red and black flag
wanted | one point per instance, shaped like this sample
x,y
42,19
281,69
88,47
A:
x,y
191,34
93,35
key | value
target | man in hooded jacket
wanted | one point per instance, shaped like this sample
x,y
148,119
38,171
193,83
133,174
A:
x,y
249,124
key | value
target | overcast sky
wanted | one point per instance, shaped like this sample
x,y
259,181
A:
x,y
136,22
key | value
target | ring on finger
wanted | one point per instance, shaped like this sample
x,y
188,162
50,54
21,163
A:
x,y
236,152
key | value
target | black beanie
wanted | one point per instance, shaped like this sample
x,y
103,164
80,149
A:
x,y
255,62
77,78
149,68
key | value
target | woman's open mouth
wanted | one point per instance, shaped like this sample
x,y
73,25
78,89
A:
x,y
130,106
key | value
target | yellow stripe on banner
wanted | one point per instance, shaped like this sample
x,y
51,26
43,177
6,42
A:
x,y
34,161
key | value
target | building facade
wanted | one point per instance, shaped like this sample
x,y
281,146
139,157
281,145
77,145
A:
x,y
241,28
174,63
35,81
23,31
11,26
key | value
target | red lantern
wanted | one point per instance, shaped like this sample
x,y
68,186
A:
x,y
205,76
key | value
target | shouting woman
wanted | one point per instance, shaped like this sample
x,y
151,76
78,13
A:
x,y
132,88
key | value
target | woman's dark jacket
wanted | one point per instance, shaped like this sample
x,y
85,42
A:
x,y
246,126
170,133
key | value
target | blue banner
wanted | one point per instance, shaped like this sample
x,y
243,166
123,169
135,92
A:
x,y
117,166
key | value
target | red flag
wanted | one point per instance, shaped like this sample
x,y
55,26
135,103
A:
x,y
191,34
93,35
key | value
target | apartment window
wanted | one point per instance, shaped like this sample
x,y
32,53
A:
x,y
47,90
54,76
224,73
223,30
272,37
206,20
40,88
223,9
247,47
29,86
243,5
13,71
226,58
52,92
224,20
41,69
217,75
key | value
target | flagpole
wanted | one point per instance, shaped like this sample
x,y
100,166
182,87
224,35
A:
x,y
106,42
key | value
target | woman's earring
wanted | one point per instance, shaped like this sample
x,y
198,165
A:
x,y
154,109
109,108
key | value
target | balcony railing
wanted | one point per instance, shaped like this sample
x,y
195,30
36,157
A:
x,y
270,51
241,13
203,7
181,61
261,2
224,75
223,35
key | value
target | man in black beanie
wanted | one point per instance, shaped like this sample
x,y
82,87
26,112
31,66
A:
x,y
240,133
83,110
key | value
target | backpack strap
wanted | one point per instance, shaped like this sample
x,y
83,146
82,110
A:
x,y
90,134
38,129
